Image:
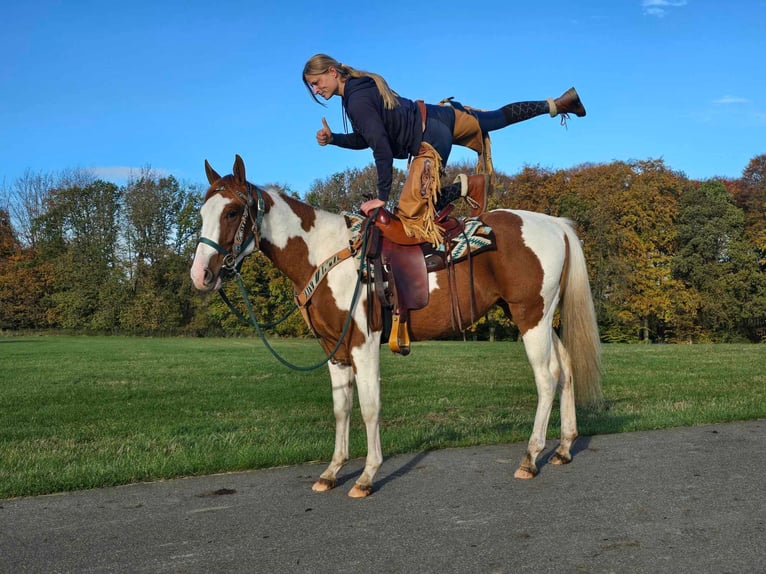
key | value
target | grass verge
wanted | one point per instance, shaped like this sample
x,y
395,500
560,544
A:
x,y
86,412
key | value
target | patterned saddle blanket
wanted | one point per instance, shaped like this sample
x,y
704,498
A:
x,y
474,237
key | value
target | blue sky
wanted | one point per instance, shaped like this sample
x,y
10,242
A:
x,y
120,86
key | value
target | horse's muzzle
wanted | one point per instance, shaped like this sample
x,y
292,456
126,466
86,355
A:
x,y
204,279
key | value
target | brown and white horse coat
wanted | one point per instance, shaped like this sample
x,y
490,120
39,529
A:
x,y
537,267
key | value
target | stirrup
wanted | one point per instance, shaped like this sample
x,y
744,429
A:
x,y
399,341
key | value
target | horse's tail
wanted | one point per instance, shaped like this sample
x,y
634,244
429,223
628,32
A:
x,y
579,329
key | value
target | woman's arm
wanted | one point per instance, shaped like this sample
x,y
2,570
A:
x,y
368,126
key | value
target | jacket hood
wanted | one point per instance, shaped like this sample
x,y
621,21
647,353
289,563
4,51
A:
x,y
357,84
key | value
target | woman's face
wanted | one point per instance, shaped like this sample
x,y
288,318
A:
x,y
326,85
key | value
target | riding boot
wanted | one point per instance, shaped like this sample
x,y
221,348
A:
x,y
567,103
473,188
447,195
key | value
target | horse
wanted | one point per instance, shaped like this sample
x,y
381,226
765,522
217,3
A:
x,y
536,269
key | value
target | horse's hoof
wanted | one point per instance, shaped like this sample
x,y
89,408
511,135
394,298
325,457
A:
x,y
524,474
323,485
559,459
360,491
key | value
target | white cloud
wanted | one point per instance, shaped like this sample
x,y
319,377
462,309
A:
x,y
123,173
658,8
731,100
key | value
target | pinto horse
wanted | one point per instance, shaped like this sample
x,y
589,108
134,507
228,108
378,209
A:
x,y
536,268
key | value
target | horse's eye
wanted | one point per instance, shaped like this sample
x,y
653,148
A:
x,y
232,214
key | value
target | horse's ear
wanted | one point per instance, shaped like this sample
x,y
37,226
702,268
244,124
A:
x,y
212,175
239,169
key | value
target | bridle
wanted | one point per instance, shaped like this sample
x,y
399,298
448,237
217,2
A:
x,y
232,260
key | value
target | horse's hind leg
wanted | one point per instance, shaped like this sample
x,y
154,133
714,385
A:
x,y
342,377
567,406
539,347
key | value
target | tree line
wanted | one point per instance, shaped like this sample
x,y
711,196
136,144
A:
x,y
670,259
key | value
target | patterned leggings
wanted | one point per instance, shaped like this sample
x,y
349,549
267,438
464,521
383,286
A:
x,y
511,114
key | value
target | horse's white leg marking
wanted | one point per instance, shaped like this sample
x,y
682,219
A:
x,y
367,361
342,377
539,347
211,229
567,405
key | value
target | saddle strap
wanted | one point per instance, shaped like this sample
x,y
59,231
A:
x,y
327,265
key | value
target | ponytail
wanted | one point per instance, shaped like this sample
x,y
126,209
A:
x,y
321,64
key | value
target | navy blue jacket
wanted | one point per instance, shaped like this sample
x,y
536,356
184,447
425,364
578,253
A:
x,y
395,133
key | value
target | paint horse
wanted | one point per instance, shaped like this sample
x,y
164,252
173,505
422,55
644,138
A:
x,y
536,268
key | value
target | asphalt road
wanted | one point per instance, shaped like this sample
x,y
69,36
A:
x,y
681,500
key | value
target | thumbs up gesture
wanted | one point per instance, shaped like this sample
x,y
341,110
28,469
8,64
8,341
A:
x,y
324,136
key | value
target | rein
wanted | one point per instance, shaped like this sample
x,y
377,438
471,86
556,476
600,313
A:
x,y
259,328
233,262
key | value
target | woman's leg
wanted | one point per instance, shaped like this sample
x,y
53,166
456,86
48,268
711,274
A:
x,y
568,102
476,187
440,123
440,127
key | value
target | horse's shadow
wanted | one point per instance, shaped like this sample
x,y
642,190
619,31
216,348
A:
x,y
581,444
381,483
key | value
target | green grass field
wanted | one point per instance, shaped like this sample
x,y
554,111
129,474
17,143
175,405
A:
x,y
85,412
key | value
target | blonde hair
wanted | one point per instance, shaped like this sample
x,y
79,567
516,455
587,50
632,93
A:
x,y
321,64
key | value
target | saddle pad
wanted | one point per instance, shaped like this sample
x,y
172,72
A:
x,y
476,238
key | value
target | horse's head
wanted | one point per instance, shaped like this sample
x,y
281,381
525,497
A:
x,y
229,226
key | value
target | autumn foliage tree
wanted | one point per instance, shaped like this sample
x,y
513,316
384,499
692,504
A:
x,y
670,259
21,282
751,198
160,223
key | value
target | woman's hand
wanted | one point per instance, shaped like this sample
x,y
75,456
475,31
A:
x,y
324,136
371,204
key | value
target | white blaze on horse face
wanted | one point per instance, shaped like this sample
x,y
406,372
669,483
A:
x,y
211,229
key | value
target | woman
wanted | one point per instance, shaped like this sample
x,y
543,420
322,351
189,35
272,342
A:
x,y
396,127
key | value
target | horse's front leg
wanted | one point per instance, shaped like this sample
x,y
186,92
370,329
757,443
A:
x,y
367,361
342,377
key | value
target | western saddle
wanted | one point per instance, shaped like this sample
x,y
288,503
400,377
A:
x,y
398,267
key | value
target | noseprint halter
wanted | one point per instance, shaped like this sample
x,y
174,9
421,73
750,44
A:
x,y
232,260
